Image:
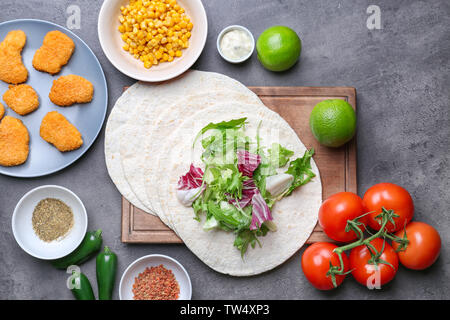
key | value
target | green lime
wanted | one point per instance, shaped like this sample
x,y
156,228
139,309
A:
x,y
333,122
278,48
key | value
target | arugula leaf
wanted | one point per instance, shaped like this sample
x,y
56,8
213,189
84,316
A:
x,y
247,237
243,239
279,156
300,168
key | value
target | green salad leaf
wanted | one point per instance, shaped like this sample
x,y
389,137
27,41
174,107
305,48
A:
x,y
220,147
248,237
279,156
301,170
224,125
220,201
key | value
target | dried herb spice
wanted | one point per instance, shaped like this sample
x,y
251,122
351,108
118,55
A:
x,y
156,283
52,219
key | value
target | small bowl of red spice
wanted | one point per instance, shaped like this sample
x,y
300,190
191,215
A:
x,y
155,277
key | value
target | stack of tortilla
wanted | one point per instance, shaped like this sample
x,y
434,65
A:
x,y
148,146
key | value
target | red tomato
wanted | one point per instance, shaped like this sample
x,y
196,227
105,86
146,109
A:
x,y
423,248
364,273
390,196
336,210
316,263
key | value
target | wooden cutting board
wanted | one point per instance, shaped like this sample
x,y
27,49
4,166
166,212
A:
x,y
337,166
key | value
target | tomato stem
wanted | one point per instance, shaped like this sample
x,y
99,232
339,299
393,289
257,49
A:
x,y
386,216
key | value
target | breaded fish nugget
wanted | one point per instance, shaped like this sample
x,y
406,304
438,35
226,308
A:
x,y
57,130
2,110
55,52
21,98
12,70
14,142
70,89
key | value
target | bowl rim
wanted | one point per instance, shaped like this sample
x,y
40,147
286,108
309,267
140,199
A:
x,y
143,78
156,255
24,197
229,28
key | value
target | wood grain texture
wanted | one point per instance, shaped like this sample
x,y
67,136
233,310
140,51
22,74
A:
x,y
337,166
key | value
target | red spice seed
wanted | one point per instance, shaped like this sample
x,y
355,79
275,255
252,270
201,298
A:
x,y
156,283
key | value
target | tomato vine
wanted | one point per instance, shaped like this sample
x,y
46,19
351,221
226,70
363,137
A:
x,y
355,225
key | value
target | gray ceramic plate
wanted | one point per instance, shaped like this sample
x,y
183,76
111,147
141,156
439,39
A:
x,y
44,158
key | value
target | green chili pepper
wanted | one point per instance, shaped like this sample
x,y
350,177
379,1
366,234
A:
x,y
91,243
106,273
82,289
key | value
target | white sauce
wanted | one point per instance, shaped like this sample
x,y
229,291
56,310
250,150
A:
x,y
236,44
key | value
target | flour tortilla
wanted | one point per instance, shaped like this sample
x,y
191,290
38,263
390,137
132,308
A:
x,y
154,100
295,216
114,130
170,119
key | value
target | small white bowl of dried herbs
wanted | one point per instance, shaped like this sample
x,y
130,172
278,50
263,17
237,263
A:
x,y
49,222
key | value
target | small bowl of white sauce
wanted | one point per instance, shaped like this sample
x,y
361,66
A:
x,y
235,44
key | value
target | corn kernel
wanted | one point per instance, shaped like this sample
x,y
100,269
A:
x,y
154,31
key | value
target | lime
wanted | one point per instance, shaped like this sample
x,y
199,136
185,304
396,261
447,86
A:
x,y
333,122
278,48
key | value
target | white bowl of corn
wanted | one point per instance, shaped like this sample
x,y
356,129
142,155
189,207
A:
x,y
152,40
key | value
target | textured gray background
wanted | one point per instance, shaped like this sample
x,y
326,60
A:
x,y
402,77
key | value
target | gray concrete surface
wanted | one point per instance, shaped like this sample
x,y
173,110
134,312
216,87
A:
x,y
402,76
